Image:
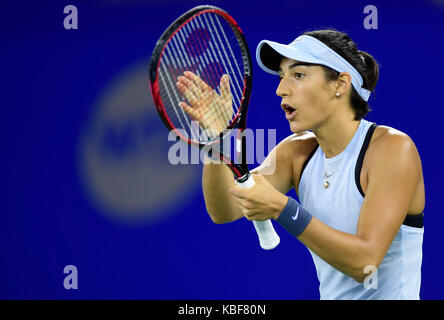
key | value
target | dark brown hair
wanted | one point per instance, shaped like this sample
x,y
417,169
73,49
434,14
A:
x,y
363,62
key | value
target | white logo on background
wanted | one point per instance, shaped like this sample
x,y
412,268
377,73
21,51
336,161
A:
x,y
71,280
255,140
371,281
371,21
71,21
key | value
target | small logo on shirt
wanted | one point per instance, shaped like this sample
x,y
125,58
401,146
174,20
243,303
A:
x,y
295,215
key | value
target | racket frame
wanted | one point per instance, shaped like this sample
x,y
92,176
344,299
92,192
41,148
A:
x,y
239,121
268,237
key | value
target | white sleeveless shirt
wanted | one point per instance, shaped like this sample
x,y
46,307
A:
x,y
338,206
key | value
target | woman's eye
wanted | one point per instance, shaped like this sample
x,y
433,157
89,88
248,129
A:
x,y
299,75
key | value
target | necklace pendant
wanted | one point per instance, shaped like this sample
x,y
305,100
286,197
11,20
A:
x,y
326,184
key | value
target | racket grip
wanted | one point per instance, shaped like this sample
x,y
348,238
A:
x,y
268,238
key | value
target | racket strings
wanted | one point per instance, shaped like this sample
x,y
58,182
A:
x,y
221,47
208,58
178,61
215,47
229,47
219,111
207,46
176,57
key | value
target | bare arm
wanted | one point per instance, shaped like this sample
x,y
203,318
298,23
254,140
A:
x,y
217,180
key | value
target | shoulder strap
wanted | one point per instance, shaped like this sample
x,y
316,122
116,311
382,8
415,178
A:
x,y
308,159
360,160
416,221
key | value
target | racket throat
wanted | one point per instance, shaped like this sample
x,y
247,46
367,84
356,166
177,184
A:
x,y
244,178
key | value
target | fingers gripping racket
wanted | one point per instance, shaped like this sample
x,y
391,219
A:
x,y
200,70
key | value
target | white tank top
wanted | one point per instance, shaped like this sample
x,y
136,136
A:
x,y
338,206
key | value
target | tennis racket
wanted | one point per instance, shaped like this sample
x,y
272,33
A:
x,y
205,49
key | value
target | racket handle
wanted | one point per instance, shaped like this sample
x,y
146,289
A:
x,y
268,238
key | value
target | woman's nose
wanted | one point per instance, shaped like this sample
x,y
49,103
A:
x,y
282,89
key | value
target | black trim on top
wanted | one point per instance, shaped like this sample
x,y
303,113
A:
x,y
416,221
360,160
308,160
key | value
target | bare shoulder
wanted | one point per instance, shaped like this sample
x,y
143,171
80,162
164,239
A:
x,y
393,161
388,140
298,147
293,148
299,144
283,165
391,145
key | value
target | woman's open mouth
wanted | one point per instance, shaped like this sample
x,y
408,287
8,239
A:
x,y
290,112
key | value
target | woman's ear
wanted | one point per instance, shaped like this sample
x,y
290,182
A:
x,y
343,83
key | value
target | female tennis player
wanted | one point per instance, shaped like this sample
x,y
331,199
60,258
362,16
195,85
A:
x,y
360,185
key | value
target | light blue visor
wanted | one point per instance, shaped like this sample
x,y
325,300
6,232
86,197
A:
x,y
310,50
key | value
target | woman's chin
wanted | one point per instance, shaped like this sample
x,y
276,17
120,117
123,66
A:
x,y
296,127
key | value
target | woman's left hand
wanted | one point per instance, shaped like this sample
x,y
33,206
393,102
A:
x,y
260,202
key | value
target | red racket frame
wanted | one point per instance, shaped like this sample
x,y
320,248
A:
x,y
239,121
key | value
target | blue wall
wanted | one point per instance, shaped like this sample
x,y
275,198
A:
x,y
85,177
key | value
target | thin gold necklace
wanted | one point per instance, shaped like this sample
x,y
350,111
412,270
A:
x,y
328,175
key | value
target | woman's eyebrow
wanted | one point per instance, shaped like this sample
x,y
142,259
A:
x,y
296,64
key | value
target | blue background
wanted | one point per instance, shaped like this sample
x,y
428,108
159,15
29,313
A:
x,y
86,180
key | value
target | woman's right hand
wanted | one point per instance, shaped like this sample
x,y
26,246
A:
x,y
213,111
